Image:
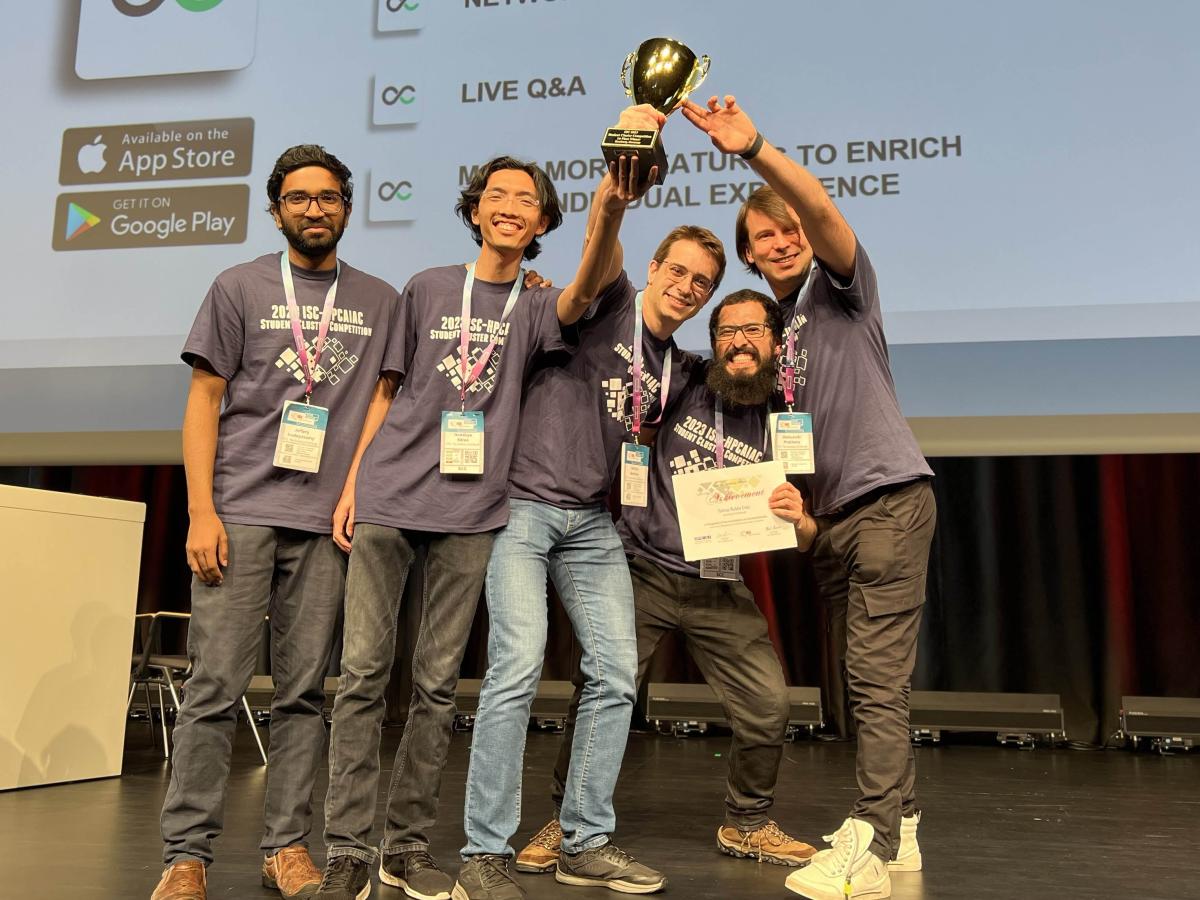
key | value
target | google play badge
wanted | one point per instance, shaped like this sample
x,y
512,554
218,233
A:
x,y
79,220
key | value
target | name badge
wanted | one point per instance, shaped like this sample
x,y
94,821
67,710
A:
x,y
301,436
462,443
720,568
635,475
792,442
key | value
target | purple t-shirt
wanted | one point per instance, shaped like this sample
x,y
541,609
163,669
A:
x,y
687,443
861,440
579,408
399,483
244,334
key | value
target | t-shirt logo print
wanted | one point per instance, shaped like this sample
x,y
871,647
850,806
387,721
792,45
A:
x,y
619,400
335,364
691,461
487,378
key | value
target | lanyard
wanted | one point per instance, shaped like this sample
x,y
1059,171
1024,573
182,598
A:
x,y
289,291
789,368
470,376
719,423
637,373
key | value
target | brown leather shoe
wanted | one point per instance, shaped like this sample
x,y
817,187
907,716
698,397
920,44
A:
x,y
291,872
770,843
541,853
185,880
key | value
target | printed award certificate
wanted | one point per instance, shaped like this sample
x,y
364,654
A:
x,y
724,512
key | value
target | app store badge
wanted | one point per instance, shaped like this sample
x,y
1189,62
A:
x,y
130,38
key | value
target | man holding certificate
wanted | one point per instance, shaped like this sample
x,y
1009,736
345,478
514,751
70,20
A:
x,y
718,423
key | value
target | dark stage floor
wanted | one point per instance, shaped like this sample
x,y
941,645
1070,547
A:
x,y
999,822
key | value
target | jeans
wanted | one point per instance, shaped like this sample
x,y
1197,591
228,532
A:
x,y
583,554
727,637
455,566
297,578
871,565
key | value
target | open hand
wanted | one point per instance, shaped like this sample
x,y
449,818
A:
x,y
729,128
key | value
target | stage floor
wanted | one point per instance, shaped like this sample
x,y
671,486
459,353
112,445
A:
x,y
998,822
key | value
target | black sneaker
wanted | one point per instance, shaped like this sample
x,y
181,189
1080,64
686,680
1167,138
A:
x,y
415,873
345,878
486,878
611,867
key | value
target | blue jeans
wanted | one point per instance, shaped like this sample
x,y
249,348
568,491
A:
x,y
583,554
297,577
454,569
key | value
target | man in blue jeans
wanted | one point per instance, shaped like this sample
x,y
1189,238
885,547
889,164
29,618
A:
x,y
577,414
431,471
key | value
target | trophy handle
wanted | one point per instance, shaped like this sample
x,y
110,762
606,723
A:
x,y
626,66
701,67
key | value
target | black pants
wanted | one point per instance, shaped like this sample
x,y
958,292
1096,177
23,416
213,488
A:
x,y
727,637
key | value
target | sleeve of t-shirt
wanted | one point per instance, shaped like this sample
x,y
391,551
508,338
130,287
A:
x,y
859,294
550,334
402,331
218,334
616,297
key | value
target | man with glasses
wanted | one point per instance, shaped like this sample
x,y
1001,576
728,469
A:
x,y
577,413
870,490
291,342
431,472
718,419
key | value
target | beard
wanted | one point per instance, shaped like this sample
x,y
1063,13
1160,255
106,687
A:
x,y
312,247
751,389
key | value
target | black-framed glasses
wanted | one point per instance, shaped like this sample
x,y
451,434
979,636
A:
x,y
752,330
300,201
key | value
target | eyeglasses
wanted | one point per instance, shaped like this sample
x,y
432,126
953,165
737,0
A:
x,y
528,201
300,201
752,330
701,284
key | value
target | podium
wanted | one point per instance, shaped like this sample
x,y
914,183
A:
x,y
68,582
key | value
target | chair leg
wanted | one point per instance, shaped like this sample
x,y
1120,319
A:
x,y
254,729
166,673
149,711
129,702
162,712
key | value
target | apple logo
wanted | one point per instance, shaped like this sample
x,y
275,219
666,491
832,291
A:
x,y
91,156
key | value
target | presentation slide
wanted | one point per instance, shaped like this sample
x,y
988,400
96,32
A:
x,y
1022,175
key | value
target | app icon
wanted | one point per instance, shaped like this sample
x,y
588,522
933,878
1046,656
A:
x,y
79,220
91,156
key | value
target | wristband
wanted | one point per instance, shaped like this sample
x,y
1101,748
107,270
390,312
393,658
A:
x,y
754,148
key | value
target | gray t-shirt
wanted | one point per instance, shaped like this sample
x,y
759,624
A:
x,y
861,440
244,334
687,443
399,482
578,408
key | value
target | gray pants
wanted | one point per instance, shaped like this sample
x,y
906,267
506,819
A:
x,y
455,567
870,563
727,637
296,577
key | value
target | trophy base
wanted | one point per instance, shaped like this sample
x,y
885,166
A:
x,y
646,145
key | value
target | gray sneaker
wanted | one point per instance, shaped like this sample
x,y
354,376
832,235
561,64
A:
x,y
415,873
486,878
345,878
611,867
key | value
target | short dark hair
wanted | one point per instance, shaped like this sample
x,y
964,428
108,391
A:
x,y
699,235
468,200
746,295
298,157
767,202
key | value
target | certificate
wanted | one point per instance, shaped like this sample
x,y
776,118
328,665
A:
x,y
724,512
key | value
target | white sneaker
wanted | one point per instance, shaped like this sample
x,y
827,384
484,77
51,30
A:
x,y
846,871
908,858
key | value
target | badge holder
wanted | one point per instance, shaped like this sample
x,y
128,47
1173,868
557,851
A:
x,y
792,442
720,568
635,475
301,437
461,443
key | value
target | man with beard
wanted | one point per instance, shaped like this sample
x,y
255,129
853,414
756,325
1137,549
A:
x,y
870,491
719,420
292,342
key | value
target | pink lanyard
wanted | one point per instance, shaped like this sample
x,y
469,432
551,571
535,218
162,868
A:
x,y
637,373
789,369
719,424
289,291
469,376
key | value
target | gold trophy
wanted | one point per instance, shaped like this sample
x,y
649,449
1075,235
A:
x,y
661,72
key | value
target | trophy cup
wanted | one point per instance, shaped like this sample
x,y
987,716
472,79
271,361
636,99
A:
x,y
661,72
